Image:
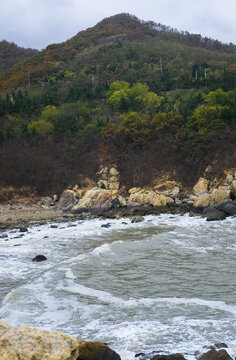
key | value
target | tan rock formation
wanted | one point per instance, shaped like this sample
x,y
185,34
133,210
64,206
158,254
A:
x,y
148,197
24,343
202,200
201,186
95,197
169,188
214,197
134,190
109,178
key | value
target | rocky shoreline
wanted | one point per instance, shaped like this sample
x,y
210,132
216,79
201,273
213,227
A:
x,y
27,343
213,199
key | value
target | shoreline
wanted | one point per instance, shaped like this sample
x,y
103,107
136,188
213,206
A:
x,y
21,216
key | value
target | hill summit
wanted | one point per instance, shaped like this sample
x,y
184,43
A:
x,y
152,100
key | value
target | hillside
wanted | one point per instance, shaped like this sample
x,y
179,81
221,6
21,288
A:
x,y
142,95
11,54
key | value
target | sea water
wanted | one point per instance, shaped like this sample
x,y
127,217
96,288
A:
x,y
167,284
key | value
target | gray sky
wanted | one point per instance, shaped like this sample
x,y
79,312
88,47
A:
x,y
38,23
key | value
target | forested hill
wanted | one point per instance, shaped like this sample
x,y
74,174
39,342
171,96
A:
x,y
11,54
138,94
124,38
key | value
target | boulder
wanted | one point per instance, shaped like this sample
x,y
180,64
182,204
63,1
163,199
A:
x,y
23,229
201,186
169,188
39,258
220,345
113,171
215,355
96,198
113,185
103,173
215,215
121,201
26,343
148,197
202,200
214,197
102,184
227,207
46,201
233,188
67,200
219,195
229,178
137,219
134,190
168,357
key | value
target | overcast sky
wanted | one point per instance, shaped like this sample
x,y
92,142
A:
x,y
38,23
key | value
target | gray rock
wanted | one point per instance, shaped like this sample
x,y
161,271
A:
x,y
23,229
220,345
46,201
213,214
137,219
106,225
3,236
215,355
168,357
39,258
227,207
67,200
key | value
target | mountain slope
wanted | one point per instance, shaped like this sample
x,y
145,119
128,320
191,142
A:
x,y
138,94
91,46
10,54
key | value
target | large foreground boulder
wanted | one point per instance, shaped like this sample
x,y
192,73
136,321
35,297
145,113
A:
x,y
100,199
24,343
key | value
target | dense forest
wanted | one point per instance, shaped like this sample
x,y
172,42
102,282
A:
x,y
146,97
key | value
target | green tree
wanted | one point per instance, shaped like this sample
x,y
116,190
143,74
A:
x,y
41,127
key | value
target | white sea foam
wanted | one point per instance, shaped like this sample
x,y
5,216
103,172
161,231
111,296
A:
x,y
139,287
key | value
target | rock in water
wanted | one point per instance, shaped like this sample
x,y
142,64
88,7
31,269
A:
x,y
137,219
220,345
32,344
169,357
215,355
39,258
23,229
106,225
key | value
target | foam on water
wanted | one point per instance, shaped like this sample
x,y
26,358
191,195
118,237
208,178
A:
x,y
166,284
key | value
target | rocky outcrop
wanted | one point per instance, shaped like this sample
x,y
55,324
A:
x,y
109,178
201,186
97,198
69,198
25,343
148,197
213,192
108,198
